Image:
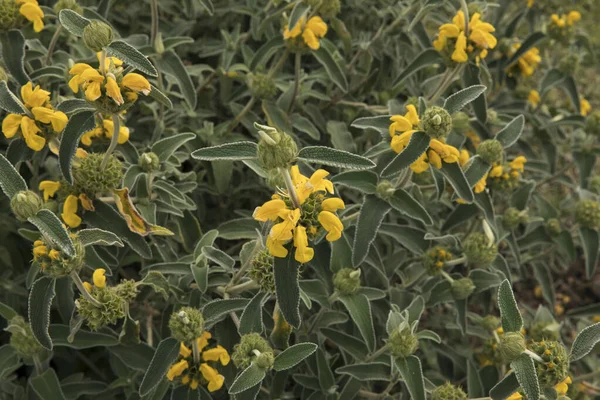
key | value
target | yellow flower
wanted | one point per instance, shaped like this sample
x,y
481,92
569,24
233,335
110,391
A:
x,y
562,387
30,131
528,61
534,97
332,224
11,124
39,251
585,107
49,188
440,151
69,214
34,97
88,287
463,158
518,164
184,351
215,381
33,13
480,185
515,396
136,83
45,115
312,31
99,278
216,354
202,341
333,204
108,61
109,128
303,253
530,3
421,165
177,369
479,37
271,210
573,17
113,91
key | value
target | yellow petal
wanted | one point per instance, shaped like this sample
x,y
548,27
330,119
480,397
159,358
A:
x,y
69,214
78,68
434,159
332,224
88,287
93,91
184,351
276,248
208,372
573,17
202,341
399,142
216,383
217,354
177,369
303,253
33,13
412,115
49,188
34,97
464,157
449,30
310,39
99,278
10,125
137,83
421,165
296,30
496,171
460,55
399,124
271,210
113,91
332,204
317,26
30,132
45,115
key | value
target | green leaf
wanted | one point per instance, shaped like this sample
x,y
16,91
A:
x,y
299,11
591,246
363,181
165,355
511,132
372,213
50,226
9,102
249,378
131,56
423,60
460,99
505,387
7,312
48,72
304,125
544,277
374,371
170,63
404,203
40,301
229,151
457,179
474,382
334,158
585,342
208,6
61,336
348,343
240,228
360,311
287,288
266,51
524,368
333,69
552,78
477,170
524,48
251,319
13,55
10,180
418,144
78,124
73,22
165,148
218,256
511,317
380,123
484,280
94,236
159,96
47,386
472,76
71,106
9,361
218,308
411,238
293,355
412,375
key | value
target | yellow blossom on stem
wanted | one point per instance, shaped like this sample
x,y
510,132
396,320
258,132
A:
x,y
49,188
69,214
312,31
585,107
99,278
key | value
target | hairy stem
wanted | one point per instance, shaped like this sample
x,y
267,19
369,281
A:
x,y
297,67
52,44
82,290
290,187
113,141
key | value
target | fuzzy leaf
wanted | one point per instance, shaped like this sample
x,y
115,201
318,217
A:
x,y
293,355
334,158
10,180
524,368
50,226
100,237
585,342
170,63
73,22
404,203
360,311
40,301
334,70
511,317
457,179
251,319
287,288
460,99
372,213
229,151
165,148
130,56
591,248
166,353
78,124
412,375
418,144
374,371
249,378
47,386
511,132
9,102
13,55
423,60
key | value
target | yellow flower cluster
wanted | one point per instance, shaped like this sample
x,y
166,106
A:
x,y
534,98
528,62
31,10
401,130
108,80
105,129
194,375
312,31
313,212
561,389
71,204
585,107
565,20
41,250
40,122
508,176
99,280
475,38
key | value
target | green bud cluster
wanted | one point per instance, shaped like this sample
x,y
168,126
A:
x,y
187,324
511,345
436,122
555,367
462,288
490,151
67,5
553,227
261,271
26,204
541,330
512,218
10,17
149,162
478,249
108,313
448,391
460,122
276,149
253,347
89,178
592,123
97,35
434,260
22,339
347,280
57,264
402,343
587,214
127,290
262,85
386,189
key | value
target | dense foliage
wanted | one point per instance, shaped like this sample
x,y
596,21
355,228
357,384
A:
x,y
312,199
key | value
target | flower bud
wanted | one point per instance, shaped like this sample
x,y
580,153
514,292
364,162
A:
x,y
512,218
490,151
587,214
555,367
108,313
511,345
54,262
187,324
275,179
149,162
275,149
347,280
159,45
97,35
127,290
489,322
261,271
435,259
592,123
22,339
26,204
479,250
89,178
262,86
67,5
249,349
460,122
265,360
385,189
10,16
492,115
553,227
448,391
403,343
436,122
462,288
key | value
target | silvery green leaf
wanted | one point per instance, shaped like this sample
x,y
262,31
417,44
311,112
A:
x,y
412,375
287,288
53,230
94,236
418,144
249,378
130,56
334,157
591,248
511,132
460,99
73,22
360,311
13,55
9,102
77,125
10,180
511,317
228,151
165,355
374,371
293,355
585,342
40,301
525,371
372,213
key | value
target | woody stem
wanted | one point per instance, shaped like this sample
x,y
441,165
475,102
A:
x,y
82,289
290,187
113,141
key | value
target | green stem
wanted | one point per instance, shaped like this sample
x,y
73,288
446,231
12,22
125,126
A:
x,y
377,353
83,291
103,62
113,141
534,356
52,44
446,276
297,66
155,20
279,63
196,351
38,365
456,261
239,117
290,187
